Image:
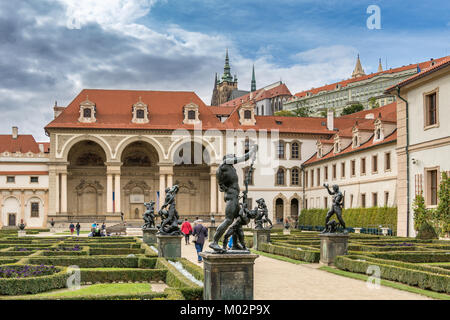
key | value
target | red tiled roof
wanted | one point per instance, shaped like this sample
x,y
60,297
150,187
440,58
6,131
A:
x,y
441,63
258,95
24,143
344,83
114,110
221,111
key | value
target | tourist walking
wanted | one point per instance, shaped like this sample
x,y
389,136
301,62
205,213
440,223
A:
x,y
186,228
200,233
71,227
78,227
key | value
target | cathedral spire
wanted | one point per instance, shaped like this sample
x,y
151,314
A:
x,y
380,67
215,81
226,70
253,85
358,71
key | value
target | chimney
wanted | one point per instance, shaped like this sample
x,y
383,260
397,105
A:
x,y
15,132
330,120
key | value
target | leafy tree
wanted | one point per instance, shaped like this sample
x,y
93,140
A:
x,y
303,111
285,113
373,103
441,215
352,109
420,211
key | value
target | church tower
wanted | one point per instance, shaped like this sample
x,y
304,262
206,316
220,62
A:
x,y
253,84
358,71
224,87
380,67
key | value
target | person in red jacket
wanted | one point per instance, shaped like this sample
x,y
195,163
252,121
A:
x,y
186,228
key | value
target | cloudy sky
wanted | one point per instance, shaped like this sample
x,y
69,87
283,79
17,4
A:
x,y
51,49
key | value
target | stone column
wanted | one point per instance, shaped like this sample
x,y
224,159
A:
x,y
165,169
109,188
169,180
64,192
57,210
117,193
213,192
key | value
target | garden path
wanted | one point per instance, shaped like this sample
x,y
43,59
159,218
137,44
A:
x,y
280,280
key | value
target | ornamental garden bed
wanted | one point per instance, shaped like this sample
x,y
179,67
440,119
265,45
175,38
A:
x,y
118,268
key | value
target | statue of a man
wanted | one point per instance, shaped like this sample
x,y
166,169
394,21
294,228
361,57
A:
x,y
149,215
169,224
262,214
336,207
228,181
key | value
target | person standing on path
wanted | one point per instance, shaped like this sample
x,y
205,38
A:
x,y
186,228
71,227
200,233
78,227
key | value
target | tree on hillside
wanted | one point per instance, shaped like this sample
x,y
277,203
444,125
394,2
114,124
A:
x,y
352,109
373,103
285,113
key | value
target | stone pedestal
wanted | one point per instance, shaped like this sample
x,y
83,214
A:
x,y
286,231
260,236
211,232
169,246
332,245
21,233
228,276
149,236
357,230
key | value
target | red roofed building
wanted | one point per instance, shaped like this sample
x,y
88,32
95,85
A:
x,y
361,88
23,180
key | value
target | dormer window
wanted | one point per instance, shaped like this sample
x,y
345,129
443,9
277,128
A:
x,y
355,142
247,115
191,114
336,147
379,134
140,112
87,112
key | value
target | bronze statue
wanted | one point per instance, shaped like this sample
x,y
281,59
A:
x,y
336,208
169,217
228,181
149,215
262,215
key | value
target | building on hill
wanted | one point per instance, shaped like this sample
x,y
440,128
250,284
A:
x,y
266,100
360,157
423,147
23,180
368,90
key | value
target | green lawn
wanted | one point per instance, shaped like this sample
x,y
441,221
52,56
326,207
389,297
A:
x,y
387,283
102,289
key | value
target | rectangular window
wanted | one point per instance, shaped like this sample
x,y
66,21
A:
x,y
294,177
306,179
312,178
374,199
34,209
250,182
281,150
374,164
10,179
294,151
353,167
351,201
363,200
430,109
387,162
318,177
432,187
34,179
325,171
306,203
334,171
249,203
363,166
325,202
343,170
386,198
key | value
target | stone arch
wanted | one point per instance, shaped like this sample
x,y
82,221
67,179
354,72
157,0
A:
x,y
68,146
125,143
280,213
11,205
178,143
294,206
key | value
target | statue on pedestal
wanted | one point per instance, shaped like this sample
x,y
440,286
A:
x,y
149,215
336,208
169,217
228,181
262,215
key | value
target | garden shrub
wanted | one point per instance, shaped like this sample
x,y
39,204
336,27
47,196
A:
x,y
303,255
426,231
88,262
94,275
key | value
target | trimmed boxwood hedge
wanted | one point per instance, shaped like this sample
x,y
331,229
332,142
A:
x,y
94,275
114,251
19,286
87,262
417,257
303,255
422,279
139,296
